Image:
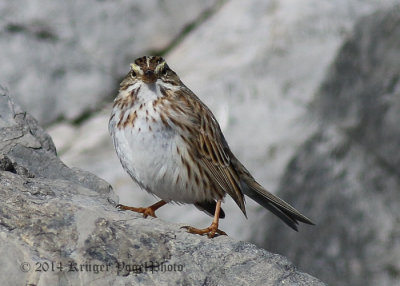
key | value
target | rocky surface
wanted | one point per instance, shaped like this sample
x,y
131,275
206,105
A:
x,y
347,173
61,59
60,226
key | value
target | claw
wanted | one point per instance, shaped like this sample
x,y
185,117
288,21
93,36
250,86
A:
x,y
210,231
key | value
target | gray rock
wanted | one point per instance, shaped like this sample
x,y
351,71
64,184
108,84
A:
x,y
346,175
60,226
62,59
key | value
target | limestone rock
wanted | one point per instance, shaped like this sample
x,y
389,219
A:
x,y
60,226
62,58
347,173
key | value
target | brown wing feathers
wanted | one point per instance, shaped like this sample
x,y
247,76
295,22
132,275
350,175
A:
x,y
214,157
227,174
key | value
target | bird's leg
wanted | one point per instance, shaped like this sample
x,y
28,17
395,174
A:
x,y
149,211
212,229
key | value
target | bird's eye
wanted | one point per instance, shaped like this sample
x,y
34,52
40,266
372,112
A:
x,y
133,74
164,71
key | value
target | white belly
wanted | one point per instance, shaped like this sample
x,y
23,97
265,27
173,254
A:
x,y
152,160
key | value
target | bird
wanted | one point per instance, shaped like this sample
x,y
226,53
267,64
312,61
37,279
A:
x,y
171,145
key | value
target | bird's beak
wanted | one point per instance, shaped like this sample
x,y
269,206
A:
x,y
149,76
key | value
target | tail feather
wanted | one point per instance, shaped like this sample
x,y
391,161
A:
x,y
277,206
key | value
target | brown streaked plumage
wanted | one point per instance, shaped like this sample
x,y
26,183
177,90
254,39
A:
x,y
182,155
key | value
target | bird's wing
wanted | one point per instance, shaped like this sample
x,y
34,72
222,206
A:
x,y
206,143
214,157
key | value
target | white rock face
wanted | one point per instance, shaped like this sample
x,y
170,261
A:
x,y
63,58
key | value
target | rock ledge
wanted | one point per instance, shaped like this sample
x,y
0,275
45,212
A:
x,y
59,226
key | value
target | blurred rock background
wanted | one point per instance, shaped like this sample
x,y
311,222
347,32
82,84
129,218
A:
x,y
306,92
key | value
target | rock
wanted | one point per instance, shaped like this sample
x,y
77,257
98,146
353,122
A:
x,y
346,175
257,65
60,226
61,59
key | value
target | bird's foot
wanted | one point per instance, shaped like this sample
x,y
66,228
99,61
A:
x,y
149,211
210,231
145,211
